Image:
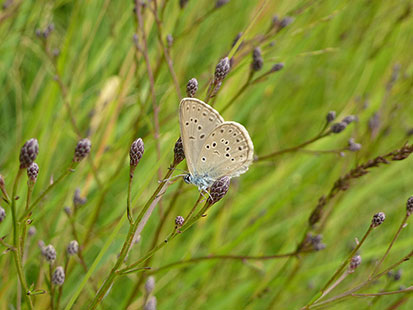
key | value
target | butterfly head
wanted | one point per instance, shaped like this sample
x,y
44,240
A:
x,y
188,178
203,182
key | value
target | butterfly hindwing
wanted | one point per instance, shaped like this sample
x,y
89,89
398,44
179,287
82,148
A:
x,y
197,121
227,151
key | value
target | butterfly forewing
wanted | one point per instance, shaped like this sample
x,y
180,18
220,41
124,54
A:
x,y
197,121
227,151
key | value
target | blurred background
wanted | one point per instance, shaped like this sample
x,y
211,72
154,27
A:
x,y
350,57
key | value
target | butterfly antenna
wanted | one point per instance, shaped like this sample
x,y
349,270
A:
x,y
171,178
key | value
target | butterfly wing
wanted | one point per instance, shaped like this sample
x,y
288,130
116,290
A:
x,y
197,120
227,151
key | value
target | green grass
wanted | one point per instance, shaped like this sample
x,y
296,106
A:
x,y
338,55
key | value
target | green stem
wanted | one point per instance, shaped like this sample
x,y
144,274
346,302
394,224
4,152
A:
x,y
16,241
125,248
128,209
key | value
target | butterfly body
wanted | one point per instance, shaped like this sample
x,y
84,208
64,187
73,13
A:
x,y
213,147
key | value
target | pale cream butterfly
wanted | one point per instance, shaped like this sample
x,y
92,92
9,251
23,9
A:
x,y
213,148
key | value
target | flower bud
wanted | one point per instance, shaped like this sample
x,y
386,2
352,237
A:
x,y
150,304
49,253
2,214
149,285
219,189
409,206
28,153
378,219
192,87
136,152
331,116
179,154
257,61
58,277
73,247
354,263
82,149
221,70
179,221
32,172
338,127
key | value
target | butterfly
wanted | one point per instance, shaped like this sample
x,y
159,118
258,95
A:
x,y
213,147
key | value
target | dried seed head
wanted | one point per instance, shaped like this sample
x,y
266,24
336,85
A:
x,y
286,21
257,61
136,151
32,231
316,242
179,221
2,214
409,206
221,70
179,154
349,119
77,199
169,40
277,67
378,219
331,116
150,304
219,189
338,127
182,3
149,285
73,247
58,277
220,3
82,149
353,146
192,87
49,253
28,153
354,263
32,172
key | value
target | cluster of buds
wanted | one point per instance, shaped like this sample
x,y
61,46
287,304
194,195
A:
x,y
354,263
315,241
179,154
78,200
378,219
218,189
396,276
82,149
220,3
2,214
179,221
409,206
28,153
49,253
340,126
150,304
279,24
149,285
33,172
353,146
58,277
192,87
73,247
221,70
136,151
257,60
46,32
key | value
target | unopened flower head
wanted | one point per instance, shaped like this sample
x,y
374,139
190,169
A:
x,y
349,119
136,152
277,67
28,153
179,154
338,127
58,277
192,87
49,253
353,146
219,189
221,70
378,219
33,172
354,263
331,116
286,21
150,304
73,247
409,206
82,149
149,284
77,199
2,214
257,61
32,231
179,221
220,3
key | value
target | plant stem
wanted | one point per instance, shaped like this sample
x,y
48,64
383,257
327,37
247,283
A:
x,y
193,208
126,245
128,209
376,268
16,241
325,288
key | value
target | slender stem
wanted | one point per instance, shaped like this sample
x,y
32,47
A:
x,y
376,268
295,148
72,220
223,257
59,294
128,209
340,269
193,208
48,189
406,290
52,287
23,223
16,241
165,50
155,106
126,245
